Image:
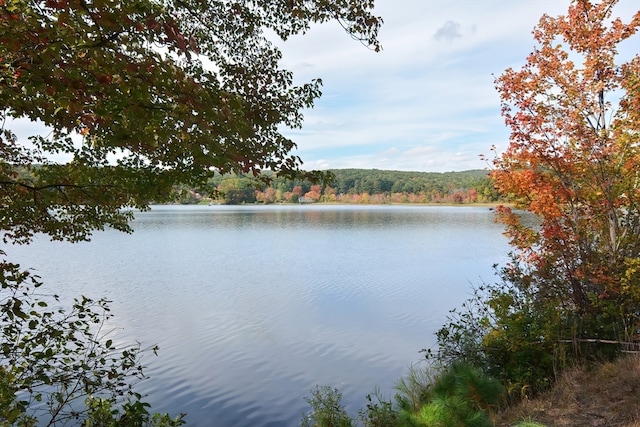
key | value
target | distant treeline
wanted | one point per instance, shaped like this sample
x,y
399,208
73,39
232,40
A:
x,y
350,186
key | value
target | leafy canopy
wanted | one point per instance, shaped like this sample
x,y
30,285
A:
x,y
142,94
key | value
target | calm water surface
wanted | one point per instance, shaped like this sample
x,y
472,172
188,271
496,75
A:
x,y
253,306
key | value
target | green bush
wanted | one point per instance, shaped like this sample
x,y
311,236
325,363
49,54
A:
x,y
461,397
523,330
54,361
458,395
379,412
529,424
326,409
510,331
134,413
415,388
476,389
449,411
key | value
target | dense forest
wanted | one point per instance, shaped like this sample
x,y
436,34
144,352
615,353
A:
x,y
349,186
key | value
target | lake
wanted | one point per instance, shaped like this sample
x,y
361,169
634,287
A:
x,y
252,306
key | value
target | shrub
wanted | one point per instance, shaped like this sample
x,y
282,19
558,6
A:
x,y
460,396
101,413
55,360
414,389
457,395
511,331
529,424
326,409
477,390
379,412
450,411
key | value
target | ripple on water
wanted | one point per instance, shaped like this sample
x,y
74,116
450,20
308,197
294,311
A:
x,y
253,307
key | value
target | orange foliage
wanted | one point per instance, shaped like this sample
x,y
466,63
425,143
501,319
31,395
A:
x,y
574,154
314,193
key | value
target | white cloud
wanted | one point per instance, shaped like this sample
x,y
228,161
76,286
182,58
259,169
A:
x,y
427,101
448,32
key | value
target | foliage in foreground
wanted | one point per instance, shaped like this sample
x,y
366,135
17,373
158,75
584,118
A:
x,y
571,291
59,366
136,96
456,396
572,162
503,332
428,396
327,409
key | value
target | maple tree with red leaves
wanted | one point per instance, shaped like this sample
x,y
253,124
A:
x,y
574,161
571,290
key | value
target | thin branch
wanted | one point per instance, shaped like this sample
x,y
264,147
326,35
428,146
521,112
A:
x,y
55,186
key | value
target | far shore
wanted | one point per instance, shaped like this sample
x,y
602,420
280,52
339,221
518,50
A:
x,y
490,205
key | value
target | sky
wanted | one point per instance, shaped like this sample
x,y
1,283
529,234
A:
x,y
427,102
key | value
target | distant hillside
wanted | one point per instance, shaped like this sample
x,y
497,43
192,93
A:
x,y
375,181
355,186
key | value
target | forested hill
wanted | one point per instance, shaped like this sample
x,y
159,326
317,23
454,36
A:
x,y
354,186
375,181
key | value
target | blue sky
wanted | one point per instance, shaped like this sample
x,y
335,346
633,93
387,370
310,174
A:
x,y
427,102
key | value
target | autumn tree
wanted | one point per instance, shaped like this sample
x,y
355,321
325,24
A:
x,y
574,162
314,193
571,171
295,194
135,97
267,196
